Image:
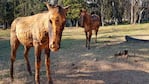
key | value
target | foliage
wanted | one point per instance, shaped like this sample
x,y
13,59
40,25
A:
x,y
11,9
74,11
27,7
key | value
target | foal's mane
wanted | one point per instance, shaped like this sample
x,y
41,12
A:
x,y
60,9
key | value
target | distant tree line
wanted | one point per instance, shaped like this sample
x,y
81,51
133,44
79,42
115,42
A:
x,y
121,11
11,9
110,11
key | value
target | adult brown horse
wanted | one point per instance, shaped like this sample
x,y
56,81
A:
x,y
89,22
41,31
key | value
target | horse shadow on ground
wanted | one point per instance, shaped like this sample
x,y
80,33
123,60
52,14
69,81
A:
x,y
138,52
103,50
107,77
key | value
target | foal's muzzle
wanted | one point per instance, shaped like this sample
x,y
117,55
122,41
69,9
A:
x,y
54,46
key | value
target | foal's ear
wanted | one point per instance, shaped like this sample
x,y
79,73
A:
x,y
83,10
48,5
66,8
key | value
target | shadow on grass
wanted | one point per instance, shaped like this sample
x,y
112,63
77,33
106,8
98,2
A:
x,y
74,51
108,77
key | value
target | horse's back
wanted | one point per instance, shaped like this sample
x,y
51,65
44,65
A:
x,y
28,21
23,28
95,21
94,17
21,23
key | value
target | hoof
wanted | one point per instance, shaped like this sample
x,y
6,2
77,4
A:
x,y
50,82
12,80
30,73
86,46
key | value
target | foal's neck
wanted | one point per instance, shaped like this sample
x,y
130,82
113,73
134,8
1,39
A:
x,y
87,19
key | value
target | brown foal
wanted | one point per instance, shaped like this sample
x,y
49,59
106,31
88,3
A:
x,y
89,22
42,31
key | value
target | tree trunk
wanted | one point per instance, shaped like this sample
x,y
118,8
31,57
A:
x,y
140,15
132,12
102,15
54,2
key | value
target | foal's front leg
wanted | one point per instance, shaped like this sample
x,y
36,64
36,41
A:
x,y
47,63
37,63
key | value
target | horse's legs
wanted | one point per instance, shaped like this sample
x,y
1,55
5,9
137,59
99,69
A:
x,y
37,62
86,34
26,50
14,45
96,32
47,63
89,39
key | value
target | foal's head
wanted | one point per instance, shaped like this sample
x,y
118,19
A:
x,y
57,19
82,15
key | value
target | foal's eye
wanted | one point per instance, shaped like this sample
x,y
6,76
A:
x,y
57,21
51,21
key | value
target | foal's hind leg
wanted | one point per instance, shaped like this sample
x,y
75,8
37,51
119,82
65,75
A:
x,y
89,39
26,50
14,45
96,32
86,34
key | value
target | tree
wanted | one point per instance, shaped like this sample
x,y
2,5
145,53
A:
x,y
101,3
6,15
11,9
53,2
76,5
135,5
73,13
27,7
118,10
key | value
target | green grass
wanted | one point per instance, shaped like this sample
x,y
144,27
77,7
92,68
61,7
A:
x,y
4,33
115,32
71,36
122,30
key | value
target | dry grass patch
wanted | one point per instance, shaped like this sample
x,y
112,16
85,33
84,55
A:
x,y
75,64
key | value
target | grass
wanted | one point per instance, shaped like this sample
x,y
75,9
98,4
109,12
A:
x,y
117,32
4,33
98,60
122,30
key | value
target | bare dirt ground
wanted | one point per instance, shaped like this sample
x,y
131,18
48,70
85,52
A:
x,y
74,64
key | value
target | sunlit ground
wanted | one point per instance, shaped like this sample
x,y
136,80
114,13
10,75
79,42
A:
x,y
75,64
